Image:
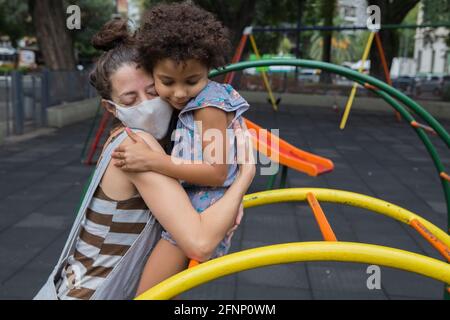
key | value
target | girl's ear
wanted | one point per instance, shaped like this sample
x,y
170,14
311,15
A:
x,y
108,106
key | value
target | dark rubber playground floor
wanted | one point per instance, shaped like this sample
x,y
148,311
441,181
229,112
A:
x,y
42,180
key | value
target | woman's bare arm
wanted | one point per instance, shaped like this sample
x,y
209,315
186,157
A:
x,y
197,235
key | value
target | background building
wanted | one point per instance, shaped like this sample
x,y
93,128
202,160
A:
x,y
431,53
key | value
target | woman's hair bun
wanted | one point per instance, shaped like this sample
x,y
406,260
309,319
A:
x,y
115,32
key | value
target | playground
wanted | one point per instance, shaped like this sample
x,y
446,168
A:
x,y
375,156
359,207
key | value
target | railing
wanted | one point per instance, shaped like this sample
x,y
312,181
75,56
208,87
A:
x,y
24,98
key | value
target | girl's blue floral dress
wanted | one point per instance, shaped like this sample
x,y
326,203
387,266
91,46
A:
x,y
188,146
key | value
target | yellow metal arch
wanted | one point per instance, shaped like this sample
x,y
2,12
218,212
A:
x,y
312,251
295,252
343,197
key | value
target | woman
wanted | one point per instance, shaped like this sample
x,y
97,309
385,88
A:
x,y
115,229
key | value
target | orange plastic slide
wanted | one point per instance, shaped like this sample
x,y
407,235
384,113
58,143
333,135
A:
x,y
287,154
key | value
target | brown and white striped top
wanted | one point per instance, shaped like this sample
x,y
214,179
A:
x,y
108,230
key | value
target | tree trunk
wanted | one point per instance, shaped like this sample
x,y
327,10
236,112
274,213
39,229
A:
x,y
235,18
390,41
55,42
392,12
328,9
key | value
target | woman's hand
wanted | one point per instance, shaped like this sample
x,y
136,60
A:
x,y
137,157
237,222
245,156
246,161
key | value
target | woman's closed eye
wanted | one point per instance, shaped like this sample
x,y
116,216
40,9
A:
x,y
128,100
152,92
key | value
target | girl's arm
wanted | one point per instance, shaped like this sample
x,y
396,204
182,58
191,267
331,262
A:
x,y
197,235
212,172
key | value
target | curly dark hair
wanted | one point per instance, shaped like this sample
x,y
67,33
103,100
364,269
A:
x,y
182,31
118,44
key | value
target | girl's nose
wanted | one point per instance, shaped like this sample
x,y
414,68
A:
x,y
180,94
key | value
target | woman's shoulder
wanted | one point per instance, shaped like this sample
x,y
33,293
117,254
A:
x,y
220,95
147,137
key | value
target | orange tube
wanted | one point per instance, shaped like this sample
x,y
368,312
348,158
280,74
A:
x,y
237,56
193,263
431,238
321,219
428,129
445,176
369,86
385,67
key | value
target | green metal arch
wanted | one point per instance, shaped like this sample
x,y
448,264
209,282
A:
x,y
426,141
385,91
354,75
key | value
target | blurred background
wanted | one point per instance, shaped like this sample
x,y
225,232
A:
x,y
44,63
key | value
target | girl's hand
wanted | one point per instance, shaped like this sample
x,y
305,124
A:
x,y
136,157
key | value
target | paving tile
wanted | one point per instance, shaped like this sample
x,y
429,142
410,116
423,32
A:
x,y
42,181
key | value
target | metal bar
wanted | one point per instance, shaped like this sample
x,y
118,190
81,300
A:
x,y
264,75
415,124
349,74
322,221
339,28
379,45
98,135
18,111
431,238
45,95
297,252
349,104
284,172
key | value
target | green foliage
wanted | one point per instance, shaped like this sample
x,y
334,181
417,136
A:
x,y
285,46
407,36
15,20
94,14
9,68
265,13
437,11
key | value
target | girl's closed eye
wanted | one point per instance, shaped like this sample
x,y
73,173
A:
x,y
191,82
167,83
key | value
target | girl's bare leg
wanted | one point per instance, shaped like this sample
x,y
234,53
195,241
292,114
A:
x,y
165,261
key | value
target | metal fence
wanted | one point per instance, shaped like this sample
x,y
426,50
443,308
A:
x,y
24,98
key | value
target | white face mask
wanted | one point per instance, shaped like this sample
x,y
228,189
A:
x,y
152,116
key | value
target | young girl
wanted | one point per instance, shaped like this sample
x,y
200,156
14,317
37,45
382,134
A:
x,y
180,43
115,230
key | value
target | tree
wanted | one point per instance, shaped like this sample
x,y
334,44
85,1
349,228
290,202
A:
x,y
436,11
328,9
392,12
15,20
55,42
94,14
237,14
234,14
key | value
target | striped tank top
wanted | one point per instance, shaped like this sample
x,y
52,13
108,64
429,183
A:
x,y
108,230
